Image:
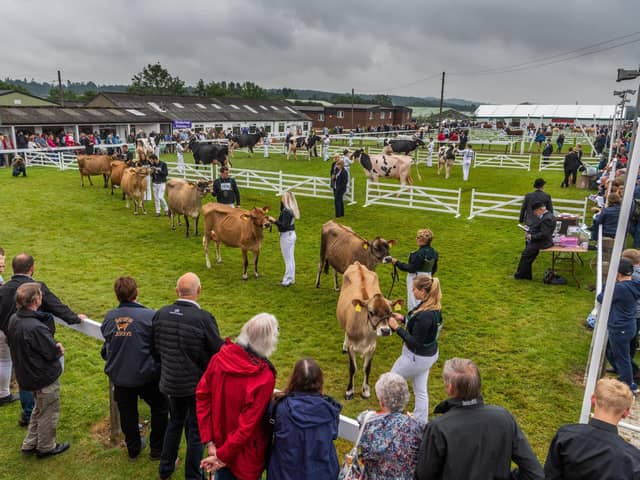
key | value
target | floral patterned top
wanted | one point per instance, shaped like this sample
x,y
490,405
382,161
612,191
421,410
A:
x,y
389,446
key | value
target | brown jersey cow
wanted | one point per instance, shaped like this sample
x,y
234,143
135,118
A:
x,y
363,314
235,227
340,247
94,165
184,198
134,186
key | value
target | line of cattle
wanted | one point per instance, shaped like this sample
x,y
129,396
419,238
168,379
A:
x,y
362,310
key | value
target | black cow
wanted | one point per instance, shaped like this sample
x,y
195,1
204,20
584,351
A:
x,y
404,146
207,153
246,140
309,143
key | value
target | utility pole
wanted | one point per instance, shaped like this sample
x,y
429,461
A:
x,y
441,98
60,89
352,102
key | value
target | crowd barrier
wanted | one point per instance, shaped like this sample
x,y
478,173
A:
x,y
508,207
419,198
556,163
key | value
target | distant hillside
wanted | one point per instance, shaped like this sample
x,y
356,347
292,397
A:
x,y
42,89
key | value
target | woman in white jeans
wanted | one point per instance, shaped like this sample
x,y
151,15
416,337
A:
x,y
289,213
420,341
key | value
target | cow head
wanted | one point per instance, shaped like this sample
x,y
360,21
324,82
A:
x,y
419,141
259,217
378,310
142,171
193,141
380,247
204,186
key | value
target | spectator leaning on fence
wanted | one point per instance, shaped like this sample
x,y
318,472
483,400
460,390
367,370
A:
x,y
595,451
23,268
132,369
37,358
184,338
471,440
390,439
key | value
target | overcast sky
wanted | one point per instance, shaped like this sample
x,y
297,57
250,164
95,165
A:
x,y
375,47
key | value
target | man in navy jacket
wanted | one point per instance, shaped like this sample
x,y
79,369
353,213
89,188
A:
x,y
132,369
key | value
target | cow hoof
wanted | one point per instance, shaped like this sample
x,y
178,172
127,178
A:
x,y
257,275
135,213
348,396
366,395
245,277
219,261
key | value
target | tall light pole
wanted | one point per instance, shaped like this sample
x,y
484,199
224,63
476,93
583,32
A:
x,y
352,102
630,75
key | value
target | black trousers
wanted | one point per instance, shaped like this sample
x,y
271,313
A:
x,y
529,255
570,174
338,200
127,399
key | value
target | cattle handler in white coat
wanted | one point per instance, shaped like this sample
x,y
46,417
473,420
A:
x,y
289,213
468,155
424,260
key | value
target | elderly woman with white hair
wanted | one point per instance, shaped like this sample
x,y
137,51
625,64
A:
x,y
390,439
231,400
289,213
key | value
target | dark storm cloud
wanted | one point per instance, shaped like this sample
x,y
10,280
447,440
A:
x,y
375,47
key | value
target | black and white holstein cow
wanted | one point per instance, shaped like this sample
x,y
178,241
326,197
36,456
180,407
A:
x,y
243,140
363,313
402,146
392,166
207,153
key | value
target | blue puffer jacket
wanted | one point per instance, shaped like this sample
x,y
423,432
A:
x,y
609,221
305,426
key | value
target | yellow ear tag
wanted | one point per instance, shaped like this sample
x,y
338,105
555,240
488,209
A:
x,y
358,308
365,246
397,307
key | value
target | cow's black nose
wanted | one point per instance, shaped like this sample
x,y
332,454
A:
x,y
385,331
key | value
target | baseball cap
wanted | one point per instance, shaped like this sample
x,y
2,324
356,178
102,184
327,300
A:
x,y
625,268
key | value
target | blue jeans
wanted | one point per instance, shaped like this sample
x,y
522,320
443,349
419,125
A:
x,y
619,353
27,402
634,230
225,474
182,414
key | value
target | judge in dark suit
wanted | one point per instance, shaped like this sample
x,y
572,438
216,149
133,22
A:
x,y
540,236
537,196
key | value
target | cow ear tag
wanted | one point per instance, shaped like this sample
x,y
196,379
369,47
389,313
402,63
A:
x,y
365,246
397,307
358,308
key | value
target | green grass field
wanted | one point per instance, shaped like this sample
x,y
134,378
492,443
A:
x,y
526,337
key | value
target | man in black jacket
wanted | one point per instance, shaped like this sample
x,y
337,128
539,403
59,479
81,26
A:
x,y
571,165
225,189
23,267
537,196
540,236
472,440
595,451
185,337
36,356
159,173
132,369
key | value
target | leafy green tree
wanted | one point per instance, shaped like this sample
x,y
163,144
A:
x,y
201,89
10,86
155,79
383,100
346,98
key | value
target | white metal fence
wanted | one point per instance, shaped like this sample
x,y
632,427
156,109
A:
x,y
419,198
497,160
497,205
555,163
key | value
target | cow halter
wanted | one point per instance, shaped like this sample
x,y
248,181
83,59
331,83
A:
x,y
375,325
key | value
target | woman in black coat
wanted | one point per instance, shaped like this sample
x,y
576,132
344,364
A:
x,y
339,182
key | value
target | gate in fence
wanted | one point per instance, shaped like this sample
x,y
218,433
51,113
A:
x,y
522,162
420,198
556,163
496,205
191,171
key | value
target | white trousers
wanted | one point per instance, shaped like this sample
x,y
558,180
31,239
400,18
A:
x,y
147,195
158,196
466,166
416,368
5,366
430,159
287,246
412,302
180,163
325,153
266,150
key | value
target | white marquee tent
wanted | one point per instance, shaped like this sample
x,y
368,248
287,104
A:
x,y
573,112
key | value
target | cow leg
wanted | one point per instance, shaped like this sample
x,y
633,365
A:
x,y
345,344
106,181
368,357
256,256
215,239
90,181
352,373
197,218
173,220
335,280
186,221
245,264
205,245
320,265
144,211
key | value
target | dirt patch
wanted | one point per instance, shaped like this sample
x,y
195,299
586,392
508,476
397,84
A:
x,y
576,377
101,432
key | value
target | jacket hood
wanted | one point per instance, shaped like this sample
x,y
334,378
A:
x,y
236,360
308,410
633,286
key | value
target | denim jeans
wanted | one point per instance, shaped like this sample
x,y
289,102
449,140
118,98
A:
x,y
27,402
182,414
619,353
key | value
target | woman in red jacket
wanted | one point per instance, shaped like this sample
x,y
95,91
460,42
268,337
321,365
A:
x,y
231,400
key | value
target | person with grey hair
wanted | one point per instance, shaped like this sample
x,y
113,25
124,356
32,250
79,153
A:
x,y
390,439
184,338
232,398
472,440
